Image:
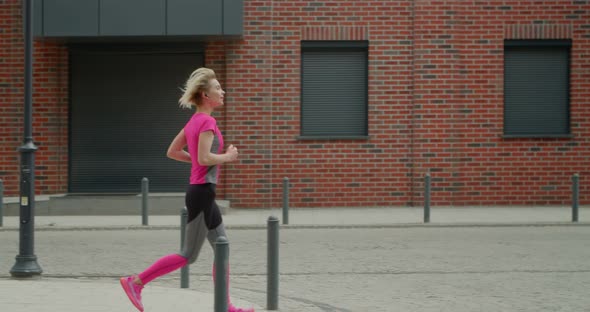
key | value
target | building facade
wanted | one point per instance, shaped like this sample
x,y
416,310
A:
x,y
353,101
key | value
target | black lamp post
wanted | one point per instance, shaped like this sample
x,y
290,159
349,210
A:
x,y
26,262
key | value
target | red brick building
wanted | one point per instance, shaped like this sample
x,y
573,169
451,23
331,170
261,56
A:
x,y
353,101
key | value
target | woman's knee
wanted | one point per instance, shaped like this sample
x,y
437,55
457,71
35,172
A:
x,y
215,233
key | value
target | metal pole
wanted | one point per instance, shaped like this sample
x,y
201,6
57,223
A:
x,y
1,203
427,198
272,288
26,262
575,196
184,281
221,264
145,188
286,200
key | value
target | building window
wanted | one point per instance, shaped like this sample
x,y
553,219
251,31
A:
x,y
536,88
334,84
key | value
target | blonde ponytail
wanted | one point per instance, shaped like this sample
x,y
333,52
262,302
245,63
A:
x,y
197,83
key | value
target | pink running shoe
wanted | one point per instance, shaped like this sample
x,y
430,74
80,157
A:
x,y
231,308
133,291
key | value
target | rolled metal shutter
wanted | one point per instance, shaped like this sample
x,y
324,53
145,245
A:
x,y
124,114
334,93
536,91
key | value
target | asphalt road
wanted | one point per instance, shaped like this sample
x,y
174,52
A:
x,y
394,269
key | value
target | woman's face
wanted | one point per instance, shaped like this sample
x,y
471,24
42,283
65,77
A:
x,y
215,94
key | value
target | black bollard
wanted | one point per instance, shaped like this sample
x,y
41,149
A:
x,y
286,200
145,189
575,196
221,263
184,280
272,289
427,198
1,203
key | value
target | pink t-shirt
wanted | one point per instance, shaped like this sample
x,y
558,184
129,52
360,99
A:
x,y
198,124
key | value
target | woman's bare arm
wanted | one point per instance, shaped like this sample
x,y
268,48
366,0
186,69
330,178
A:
x,y
206,158
176,149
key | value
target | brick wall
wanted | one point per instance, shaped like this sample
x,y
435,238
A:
x,y
266,65
435,105
50,106
461,138
215,59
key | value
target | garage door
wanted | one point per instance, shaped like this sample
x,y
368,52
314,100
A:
x,y
124,114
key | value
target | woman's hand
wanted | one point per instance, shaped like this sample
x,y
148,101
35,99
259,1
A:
x,y
231,153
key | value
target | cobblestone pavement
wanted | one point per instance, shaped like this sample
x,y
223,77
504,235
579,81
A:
x,y
357,269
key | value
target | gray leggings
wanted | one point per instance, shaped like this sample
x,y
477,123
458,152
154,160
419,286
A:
x,y
196,231
204,220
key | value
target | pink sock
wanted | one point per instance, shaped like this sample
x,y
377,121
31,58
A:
x,y
162,266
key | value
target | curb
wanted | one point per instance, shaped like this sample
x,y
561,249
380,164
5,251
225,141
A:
x,y
301,226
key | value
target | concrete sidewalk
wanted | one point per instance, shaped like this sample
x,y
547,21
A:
x,y
331,217
69,295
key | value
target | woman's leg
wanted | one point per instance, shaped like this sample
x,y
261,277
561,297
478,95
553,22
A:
x,y
197,197
161,267
212,237
195,234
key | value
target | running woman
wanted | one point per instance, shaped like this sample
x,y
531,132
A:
x,y
205,153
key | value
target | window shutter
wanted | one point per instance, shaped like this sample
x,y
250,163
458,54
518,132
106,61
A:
x,y
536,88
334,93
